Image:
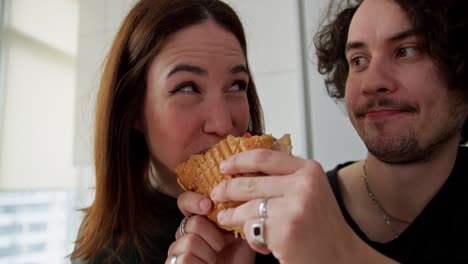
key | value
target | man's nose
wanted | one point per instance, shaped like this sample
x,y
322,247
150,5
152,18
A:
x,y
379,78
218,119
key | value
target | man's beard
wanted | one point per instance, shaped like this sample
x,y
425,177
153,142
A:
x,y
410,145
407,146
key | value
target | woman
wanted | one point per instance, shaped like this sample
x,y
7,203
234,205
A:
x,y
175,82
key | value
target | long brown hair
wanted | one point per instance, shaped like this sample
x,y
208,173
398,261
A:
x,y
121,153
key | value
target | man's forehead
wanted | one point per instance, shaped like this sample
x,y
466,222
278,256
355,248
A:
x,y
378,19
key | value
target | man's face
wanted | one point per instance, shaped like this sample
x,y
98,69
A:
x,y
397,98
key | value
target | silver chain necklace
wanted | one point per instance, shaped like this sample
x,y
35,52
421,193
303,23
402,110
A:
x,y
379,207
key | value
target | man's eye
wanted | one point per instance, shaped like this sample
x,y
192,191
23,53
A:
x,y
358,61
407,52
238,86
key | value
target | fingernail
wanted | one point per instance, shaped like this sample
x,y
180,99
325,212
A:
x,y
205,205
222,166
213,193
221,217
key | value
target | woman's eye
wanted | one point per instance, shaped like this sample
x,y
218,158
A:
x,y
407,52
238,86
185,88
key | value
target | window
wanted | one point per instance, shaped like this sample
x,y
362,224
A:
x,y
38,190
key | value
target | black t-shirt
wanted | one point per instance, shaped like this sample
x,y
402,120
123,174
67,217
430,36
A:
x,y
265,259
167,216
439,234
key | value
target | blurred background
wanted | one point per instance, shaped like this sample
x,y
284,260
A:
x,y
51,57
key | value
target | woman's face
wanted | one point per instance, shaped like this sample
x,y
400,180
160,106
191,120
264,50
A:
x,y
196,95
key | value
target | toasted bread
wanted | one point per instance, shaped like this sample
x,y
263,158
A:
x,y
201,172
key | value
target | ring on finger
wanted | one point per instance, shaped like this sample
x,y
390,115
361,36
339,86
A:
x,y
174,259
258,231
182,231
262,208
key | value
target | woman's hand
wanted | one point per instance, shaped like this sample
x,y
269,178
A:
x,y
203,241
304,223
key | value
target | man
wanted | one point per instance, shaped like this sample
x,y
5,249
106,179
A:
x,y
402,71
401,68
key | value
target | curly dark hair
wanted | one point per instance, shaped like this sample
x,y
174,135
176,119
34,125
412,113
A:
x,y
444,27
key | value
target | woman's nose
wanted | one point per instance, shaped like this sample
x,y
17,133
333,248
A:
x,y
218,119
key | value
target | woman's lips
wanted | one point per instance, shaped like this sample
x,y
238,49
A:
x,y
202,151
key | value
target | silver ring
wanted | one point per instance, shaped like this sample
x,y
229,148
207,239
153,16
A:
x,y
174,259
262,208
182,227
258,231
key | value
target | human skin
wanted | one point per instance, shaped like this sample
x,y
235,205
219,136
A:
x,y
196,96
396,96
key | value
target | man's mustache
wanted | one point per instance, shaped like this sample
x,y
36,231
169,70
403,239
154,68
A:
x,y
388,104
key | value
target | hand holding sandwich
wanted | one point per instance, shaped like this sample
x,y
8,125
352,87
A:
x,y
199,239
204,241
300,219
304,223
299,208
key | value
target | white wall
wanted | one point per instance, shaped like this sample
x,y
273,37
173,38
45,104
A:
x,y
38,97
334,140
272,29
98,23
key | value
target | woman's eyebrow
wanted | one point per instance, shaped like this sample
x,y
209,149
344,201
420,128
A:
x,y
187,68
239,68
199,71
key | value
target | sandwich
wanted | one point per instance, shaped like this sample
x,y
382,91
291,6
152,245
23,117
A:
x,y
200,173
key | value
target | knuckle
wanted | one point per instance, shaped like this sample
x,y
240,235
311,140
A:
x,y
222,190
296,209
186,258
224,187
190,242
262,155
312,166
195,222
308,183
248,185
293,224
171,250
237,214
309,174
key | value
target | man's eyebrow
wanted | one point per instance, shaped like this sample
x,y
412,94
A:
x,y
354,45
405,34
398,36
239,68
187,68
